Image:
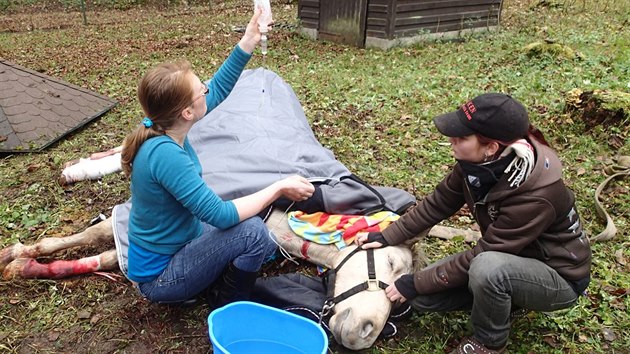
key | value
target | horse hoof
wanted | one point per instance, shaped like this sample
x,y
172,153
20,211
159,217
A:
x,y
10,253
62,181
14,269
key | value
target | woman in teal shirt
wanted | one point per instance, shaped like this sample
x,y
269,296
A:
x,y
182,236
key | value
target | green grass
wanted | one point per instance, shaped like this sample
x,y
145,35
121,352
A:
x,y
372,108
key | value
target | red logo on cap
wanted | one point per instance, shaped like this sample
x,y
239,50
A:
x,y
468,109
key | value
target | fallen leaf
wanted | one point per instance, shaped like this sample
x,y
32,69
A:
x,y
83,314
618,304
53,336
552,341
620,258
33,167
67,219
582,338
616,291
616,141
581,171
14,301
609,334
95,319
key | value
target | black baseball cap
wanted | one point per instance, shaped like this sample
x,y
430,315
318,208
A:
x,y
494,115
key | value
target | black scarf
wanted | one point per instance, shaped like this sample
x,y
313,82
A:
x,y
481,177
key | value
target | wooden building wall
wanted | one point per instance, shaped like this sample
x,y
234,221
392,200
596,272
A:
x,y
390,20
414,16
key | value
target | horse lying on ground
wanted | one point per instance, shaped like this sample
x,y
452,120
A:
x,y
353,324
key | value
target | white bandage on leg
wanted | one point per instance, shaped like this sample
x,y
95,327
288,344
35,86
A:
x,y
91,169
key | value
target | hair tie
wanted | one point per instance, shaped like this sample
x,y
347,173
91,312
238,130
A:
x,y
147,122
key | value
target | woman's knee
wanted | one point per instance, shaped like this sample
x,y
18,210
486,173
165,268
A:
x,y
259,234
253,222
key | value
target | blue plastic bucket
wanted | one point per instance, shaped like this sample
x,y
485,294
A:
x,y
249,327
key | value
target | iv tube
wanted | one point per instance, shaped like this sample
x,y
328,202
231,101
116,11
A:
x,y
263,44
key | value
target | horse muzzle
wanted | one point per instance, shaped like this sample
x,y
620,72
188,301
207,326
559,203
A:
x,y
353,331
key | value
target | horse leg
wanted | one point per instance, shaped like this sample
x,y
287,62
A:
x,y
29,268
448,233
96,166
323,255
93,235
420,259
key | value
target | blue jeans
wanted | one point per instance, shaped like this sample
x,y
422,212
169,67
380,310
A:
x,y
201,262
498,282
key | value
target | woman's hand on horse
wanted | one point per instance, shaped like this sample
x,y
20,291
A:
x,y
371,240
296,188
394,295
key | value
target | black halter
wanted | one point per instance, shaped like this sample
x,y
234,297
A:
x,y
372,284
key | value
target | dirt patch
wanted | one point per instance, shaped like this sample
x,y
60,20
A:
x,y
608,109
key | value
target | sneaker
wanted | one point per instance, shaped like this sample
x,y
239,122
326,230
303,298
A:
x,y
470,345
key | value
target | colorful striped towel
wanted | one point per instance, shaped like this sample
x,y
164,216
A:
x,y
337,229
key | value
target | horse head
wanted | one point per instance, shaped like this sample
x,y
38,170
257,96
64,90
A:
x,y
359,314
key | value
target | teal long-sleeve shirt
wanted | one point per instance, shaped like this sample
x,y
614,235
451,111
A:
x,y
168,196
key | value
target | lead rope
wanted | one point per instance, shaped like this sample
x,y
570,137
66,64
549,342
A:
x,y
619,171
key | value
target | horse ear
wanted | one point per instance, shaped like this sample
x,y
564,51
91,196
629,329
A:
x,y
419,258
415,240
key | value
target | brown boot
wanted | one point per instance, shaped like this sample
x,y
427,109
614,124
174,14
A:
x,y
470,345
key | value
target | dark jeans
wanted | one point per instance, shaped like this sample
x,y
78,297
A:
x,y
200,262
497,282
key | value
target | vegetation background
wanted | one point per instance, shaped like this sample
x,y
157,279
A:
x,y
373,108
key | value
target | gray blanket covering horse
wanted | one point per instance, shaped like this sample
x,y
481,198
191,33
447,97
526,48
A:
x,y
259,135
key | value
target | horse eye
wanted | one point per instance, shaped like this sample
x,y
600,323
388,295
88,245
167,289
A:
x,y
395,265
390,260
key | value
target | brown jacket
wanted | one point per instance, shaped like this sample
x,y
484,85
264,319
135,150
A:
x,y
537,220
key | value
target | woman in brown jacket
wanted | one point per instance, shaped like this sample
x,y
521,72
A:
x,y
532,254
